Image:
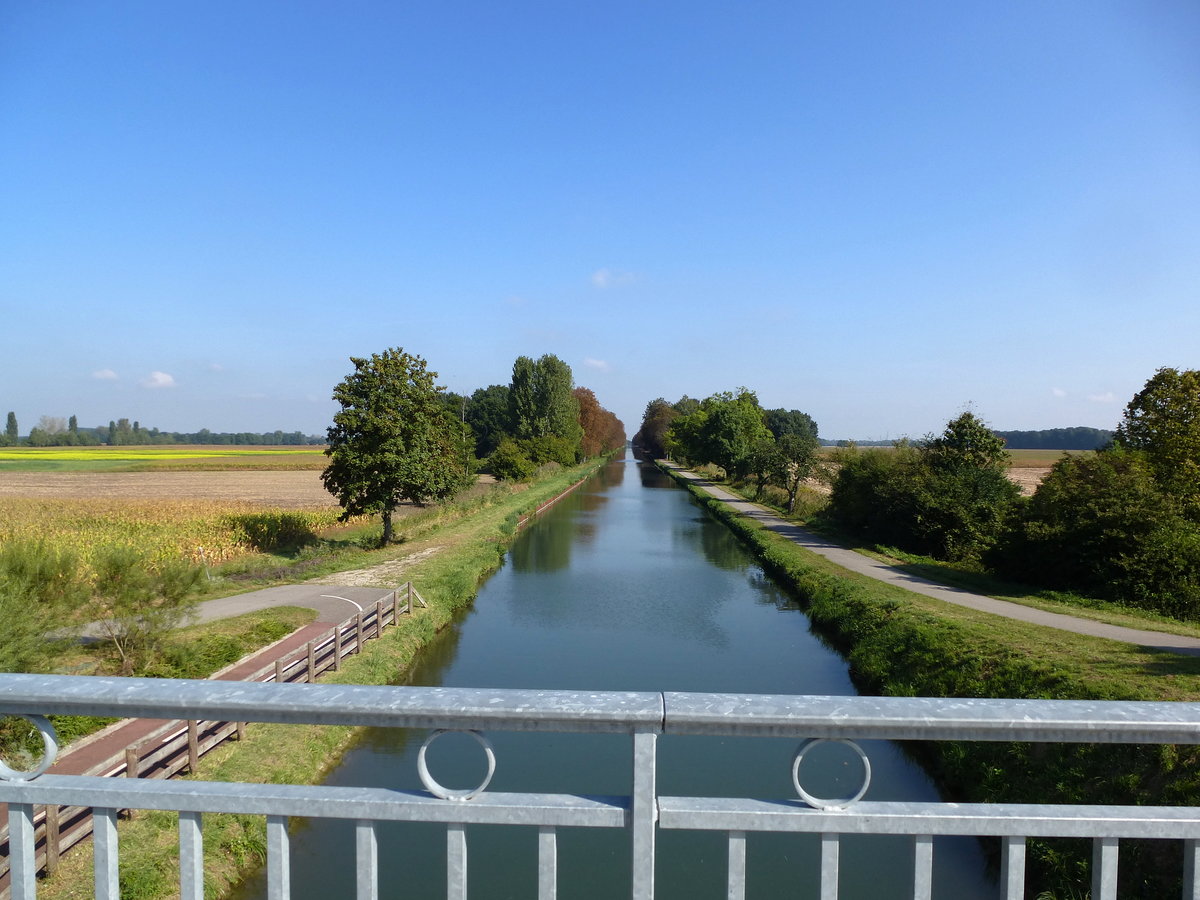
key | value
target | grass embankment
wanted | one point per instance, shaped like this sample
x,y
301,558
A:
x,y
469,544
903,644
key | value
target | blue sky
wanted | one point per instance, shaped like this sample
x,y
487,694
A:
x,y
876,212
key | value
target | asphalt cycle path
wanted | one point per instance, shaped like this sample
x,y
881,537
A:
x,y
856,562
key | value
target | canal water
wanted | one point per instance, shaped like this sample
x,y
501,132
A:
x,y
626,584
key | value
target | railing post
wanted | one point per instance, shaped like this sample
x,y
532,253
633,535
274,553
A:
x,y
337,647
279,671
456,862
378,618
131,762
358,632
644,813
22,856
1104,868
312,668
104,850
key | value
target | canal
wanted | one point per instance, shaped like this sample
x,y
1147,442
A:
x,y
626,584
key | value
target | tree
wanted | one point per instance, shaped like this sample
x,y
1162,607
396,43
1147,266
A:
x,y
136,603
1163,421
651,438
392,439
967,442
602,431
733,426
790,421
488,416
796,458
541,402
10,428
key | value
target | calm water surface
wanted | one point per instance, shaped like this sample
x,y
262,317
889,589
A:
x,y
626,585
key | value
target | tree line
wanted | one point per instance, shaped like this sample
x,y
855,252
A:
x,y
55,431
399,436
731,430
1122,524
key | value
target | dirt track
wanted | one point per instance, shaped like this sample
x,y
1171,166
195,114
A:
x,y
289,489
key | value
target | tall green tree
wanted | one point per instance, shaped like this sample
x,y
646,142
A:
x,y
392,440
488,416
790,421
541,402
651,438
10,428
1163,421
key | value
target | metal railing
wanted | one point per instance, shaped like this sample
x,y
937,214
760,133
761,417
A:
x,y
643,716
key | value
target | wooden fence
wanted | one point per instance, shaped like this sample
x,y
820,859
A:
x,y
175,747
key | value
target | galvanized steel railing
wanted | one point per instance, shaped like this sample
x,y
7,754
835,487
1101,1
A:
x,y
644,716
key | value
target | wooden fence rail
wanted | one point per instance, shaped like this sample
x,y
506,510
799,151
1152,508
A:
x,y
176,747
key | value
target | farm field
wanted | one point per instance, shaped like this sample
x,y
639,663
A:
x,y
167,501
143,458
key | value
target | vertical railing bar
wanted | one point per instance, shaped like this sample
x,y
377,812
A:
x,y
1104,868
1012,868
191,856
736,881
22,852
105,854
644,813
456,862
366,843
1191,866
547,863
279,863
829,866
922,867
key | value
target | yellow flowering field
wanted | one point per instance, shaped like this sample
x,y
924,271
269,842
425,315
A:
x,y
193,529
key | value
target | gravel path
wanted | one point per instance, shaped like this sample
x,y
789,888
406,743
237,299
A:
x,y
856,562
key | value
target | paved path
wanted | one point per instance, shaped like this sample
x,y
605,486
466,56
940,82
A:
x,y
856,562
333,603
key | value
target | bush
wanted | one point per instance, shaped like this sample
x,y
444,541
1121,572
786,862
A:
x,y
919,500
275,530
509,462
1102,524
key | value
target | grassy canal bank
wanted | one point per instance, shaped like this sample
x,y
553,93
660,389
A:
x,y
448,555
898,643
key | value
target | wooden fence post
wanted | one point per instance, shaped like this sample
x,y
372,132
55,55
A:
x,y
279,671
241,731
378,618
395,607
411,608
358,629
52,839
193,746
337,646
131,762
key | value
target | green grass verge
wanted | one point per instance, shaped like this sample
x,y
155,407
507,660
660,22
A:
x,y
902,644
472,545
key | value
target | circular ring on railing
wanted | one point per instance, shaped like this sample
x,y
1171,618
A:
x,y
445,793
819,802
49,752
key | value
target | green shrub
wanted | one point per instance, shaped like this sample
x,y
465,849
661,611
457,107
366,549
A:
x,y
510,463
274,530
1101,524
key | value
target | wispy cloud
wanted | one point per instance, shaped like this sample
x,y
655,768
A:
x,y
607,278
1106,397
216,367
1058,392
599,365
105,375
158,380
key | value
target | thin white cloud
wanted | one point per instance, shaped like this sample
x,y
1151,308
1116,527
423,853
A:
x,y
158,380
216,367
606,278
1106,397
1058,392
598,364
105,375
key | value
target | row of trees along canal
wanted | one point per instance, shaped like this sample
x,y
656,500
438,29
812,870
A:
x,y
1121,524
399,436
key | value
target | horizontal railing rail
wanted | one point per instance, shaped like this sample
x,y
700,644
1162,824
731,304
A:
x,y
642,715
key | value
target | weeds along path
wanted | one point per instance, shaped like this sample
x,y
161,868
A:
x,y
856,562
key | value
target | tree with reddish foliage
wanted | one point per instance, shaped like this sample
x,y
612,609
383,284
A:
x,y
602,431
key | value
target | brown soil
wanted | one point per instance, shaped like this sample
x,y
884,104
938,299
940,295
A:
x,y
289,489
1027,479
